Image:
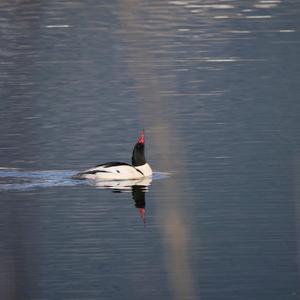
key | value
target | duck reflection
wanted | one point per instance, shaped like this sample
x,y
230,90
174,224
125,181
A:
x,y
138,189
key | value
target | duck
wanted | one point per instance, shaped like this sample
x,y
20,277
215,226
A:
x,y
121,171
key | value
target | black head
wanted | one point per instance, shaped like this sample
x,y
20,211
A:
x,y
138,154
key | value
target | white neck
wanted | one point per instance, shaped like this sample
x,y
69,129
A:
x,y
145,169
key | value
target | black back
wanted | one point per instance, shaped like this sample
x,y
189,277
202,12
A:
x,y
112,164
138,155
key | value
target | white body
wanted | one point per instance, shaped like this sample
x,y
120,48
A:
x,y
121,172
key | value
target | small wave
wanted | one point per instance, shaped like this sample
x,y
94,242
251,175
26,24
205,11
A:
x,y
16,179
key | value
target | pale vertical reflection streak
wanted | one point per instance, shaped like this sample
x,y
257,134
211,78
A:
x,y
153,110
297,208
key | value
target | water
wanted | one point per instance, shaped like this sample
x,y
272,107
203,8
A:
x,y
215,85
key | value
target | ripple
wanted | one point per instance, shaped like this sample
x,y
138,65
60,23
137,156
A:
x,y
259,17
58,26
287,30
15,179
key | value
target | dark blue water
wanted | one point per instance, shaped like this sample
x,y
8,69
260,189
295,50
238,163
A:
x,y
215,84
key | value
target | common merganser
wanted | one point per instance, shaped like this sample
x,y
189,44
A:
x,y
119,170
